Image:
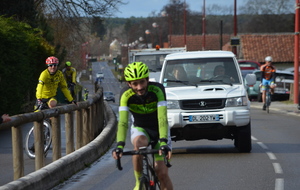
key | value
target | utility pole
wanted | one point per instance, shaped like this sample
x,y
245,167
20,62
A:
x,y
203,26
296,54
234,48
184,27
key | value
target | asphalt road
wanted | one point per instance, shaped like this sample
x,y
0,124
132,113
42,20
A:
x,y
214,165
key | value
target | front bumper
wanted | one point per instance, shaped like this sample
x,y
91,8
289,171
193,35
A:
x,y
226,117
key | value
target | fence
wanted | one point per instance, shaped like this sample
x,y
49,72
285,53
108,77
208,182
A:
x,y
90,118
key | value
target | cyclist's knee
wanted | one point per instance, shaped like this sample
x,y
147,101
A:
x,y
52,103
140,141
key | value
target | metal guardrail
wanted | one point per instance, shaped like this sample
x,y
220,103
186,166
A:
x,y
89,117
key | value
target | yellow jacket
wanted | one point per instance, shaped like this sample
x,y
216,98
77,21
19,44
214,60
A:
x,y
48,84
70,75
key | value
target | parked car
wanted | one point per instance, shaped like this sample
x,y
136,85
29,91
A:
x,y
283,81
248,67
109,96
291,69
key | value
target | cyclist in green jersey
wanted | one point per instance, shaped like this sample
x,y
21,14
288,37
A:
x,y
146,101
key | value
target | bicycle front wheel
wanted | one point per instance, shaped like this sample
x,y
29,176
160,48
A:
x,y
144,184
29,140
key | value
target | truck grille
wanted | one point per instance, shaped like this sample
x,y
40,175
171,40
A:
x,y
202,104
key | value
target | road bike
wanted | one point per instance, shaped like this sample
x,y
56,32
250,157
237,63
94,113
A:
x,y
71,87
268,98
29,140
149,179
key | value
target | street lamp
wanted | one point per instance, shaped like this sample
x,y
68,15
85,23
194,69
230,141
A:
x,y
156,26
164,14
147,32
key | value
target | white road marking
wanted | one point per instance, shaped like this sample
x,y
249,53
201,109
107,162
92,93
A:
x,y
271,155
262,145
277,168
279,184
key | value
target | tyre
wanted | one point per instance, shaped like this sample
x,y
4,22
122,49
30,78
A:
x,y
29,140
259,97
144,184
242,139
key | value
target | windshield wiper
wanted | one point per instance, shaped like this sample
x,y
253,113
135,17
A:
x,y
183,82
218,81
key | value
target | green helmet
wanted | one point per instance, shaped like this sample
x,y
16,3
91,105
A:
x,y
68,63
135,71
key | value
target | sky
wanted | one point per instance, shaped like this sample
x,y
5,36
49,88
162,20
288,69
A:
x,y
143,8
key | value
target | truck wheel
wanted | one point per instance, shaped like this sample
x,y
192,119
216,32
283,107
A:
x,y
242,139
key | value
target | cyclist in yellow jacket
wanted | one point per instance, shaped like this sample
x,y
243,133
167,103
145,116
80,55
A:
x,y
49,80
70,76
70,73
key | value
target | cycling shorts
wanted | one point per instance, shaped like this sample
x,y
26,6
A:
x,y
44,100
138,131
266,82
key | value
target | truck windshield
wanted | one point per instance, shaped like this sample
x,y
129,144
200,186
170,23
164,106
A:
x,y
201,71
154,61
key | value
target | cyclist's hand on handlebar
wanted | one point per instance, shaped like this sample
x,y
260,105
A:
x,y
165,150
74,102
39,103
117,153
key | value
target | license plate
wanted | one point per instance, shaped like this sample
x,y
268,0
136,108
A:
x,y
193,118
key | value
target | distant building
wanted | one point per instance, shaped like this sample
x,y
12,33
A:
x,y
252,46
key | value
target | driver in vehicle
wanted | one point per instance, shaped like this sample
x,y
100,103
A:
x,y
219,72
179,73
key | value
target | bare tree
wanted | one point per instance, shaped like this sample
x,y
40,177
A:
x,y
72,23
256,7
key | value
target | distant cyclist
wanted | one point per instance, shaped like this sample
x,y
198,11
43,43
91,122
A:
x,y
267,78
70,76
146,101
49,80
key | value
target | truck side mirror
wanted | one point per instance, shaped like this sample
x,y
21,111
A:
x,y
250,79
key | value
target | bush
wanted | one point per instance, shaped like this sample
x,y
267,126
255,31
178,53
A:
x,y
23,52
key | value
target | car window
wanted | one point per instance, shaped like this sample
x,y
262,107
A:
x,y
284,76
248,64
258,76
108,93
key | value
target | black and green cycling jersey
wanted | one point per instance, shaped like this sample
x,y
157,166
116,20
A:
x,y
149,111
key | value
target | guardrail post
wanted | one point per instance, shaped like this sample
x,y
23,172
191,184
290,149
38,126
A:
x,y
18,158
92,123
69,132
56,138
86,127
39,145
79,136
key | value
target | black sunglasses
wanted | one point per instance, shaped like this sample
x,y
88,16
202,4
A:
x,y
52,65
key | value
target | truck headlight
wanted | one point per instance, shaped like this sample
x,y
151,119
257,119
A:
x,y
237,101
173,104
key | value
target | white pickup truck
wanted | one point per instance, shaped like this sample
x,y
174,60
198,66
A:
x,y
204,104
